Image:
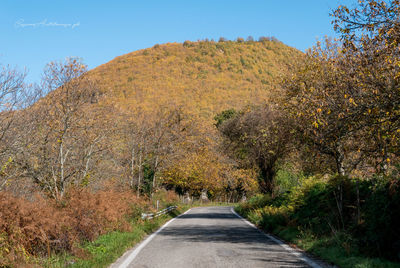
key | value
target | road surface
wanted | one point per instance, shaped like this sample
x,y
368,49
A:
x,y
211,237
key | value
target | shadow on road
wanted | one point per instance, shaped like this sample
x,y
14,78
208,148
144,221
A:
x,y
209,216
225,227
216,233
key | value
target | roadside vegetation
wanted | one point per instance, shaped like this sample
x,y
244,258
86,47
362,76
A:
x,y
307,215
328,147
107,248
46,232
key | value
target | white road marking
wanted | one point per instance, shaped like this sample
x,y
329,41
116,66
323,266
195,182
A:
x,y
298,254
134,253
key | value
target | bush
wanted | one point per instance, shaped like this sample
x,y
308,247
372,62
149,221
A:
x,y
44,226
260,200
165,198
188,44
255,216
273,217
250,39
314,206
286,179
379,232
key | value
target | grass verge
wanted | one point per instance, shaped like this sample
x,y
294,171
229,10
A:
x,y
337,250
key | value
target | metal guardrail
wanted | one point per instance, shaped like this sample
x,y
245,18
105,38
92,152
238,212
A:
x,y
158,213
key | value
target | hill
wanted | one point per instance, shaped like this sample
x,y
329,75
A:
x,y
203,77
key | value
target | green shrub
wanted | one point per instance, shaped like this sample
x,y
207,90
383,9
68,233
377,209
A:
x,y
379,232
255,216
370,226
259,200
136,212
273,217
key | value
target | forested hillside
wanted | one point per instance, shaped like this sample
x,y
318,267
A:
x,y
201,77
193,82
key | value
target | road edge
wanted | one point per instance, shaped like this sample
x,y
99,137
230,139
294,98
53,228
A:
x,y
129,256
302,256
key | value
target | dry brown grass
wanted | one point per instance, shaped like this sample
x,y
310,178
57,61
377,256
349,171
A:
x,y
44,226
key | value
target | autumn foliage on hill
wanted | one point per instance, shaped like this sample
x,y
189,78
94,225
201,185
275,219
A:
x,y
203,77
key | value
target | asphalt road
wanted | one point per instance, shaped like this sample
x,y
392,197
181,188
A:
x,y
211,237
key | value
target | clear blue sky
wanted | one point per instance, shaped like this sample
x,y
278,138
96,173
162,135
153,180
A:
x,y
98,31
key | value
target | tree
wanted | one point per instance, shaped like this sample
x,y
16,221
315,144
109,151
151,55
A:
x,y
224,116
323,98
250,38
62,141
371,19
345,96
208,171
149,139
260,137
11,97
371,36
12,93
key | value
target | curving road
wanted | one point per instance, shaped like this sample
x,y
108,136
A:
x,y
212,237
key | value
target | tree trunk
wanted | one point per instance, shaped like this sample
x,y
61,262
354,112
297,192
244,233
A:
x,y
63,158
267,185
339,161
155,171
358,201
88,158
140,174
384,164
61,184
132,180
